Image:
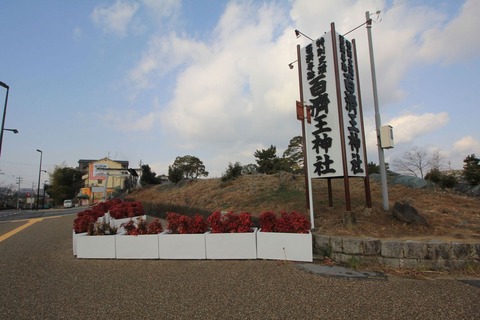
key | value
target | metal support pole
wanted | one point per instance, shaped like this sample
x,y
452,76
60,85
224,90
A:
x,y
39,175
4,114
308,181
300,85
19,181
378,123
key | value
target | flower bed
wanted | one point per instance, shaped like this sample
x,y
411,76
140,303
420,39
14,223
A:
x,y
231,237
96,247
221,236
140,240
96,220
98,243
287,237
184,239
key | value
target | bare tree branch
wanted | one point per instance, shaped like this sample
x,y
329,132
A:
x,y
417,161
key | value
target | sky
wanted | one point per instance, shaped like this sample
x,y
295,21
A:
x,y
149,80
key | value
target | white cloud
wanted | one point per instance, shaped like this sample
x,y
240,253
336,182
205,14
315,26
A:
x,y
163,8
130,122
455,39
164,54
233,93
467,145
408,127
242,89
116,18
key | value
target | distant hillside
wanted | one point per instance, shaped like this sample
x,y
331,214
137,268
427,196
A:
x,y
449,215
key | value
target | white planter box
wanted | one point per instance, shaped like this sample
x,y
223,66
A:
x,y
96,247
74,241
284,246
143,246
231,245
181,246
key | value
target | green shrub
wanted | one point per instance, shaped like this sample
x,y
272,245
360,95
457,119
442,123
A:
x,y
233,171
443,180
448,181
434,175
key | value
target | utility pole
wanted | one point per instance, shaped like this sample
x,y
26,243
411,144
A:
x,y
19,181
378,122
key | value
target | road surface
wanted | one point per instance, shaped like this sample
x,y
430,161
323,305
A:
x,y
41,279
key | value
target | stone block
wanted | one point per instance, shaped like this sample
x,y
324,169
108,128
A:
x,y
425,264
438,250
391,262
353,246
392,249
321,241
337,244
322,245
340,257
414,249
475,250
369,260
409,263
461,250
371,247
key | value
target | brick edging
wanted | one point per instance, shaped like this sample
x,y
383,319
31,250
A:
x,y
411,254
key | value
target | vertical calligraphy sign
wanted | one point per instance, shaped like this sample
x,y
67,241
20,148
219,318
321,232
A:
x,y
351,113
323,136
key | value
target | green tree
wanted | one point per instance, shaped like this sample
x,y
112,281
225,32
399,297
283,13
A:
x,y
373,168
269,163
233,171
65,184
148,176
294,153
266,159
471,169
175,174
191,167
250,168
442,179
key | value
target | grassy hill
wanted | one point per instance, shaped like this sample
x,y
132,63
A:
x,y
449,215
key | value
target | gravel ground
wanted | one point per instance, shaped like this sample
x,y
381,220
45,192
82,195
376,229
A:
x,y
40,279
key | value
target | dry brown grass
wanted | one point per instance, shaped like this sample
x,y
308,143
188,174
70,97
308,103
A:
x,y
451,216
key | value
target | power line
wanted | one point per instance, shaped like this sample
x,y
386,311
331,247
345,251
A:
x,y
400,3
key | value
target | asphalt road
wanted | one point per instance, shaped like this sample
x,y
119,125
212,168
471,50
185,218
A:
x,y
41,279
13,214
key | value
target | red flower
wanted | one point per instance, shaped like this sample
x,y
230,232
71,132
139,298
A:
x,y
133,228
81,223
267,221
198,224
173,220
186,225
120,210
293,222
155,227
215,222
230,222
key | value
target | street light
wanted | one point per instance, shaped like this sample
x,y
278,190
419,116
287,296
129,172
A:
x,y
298,34
39,175
4,113
13,130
